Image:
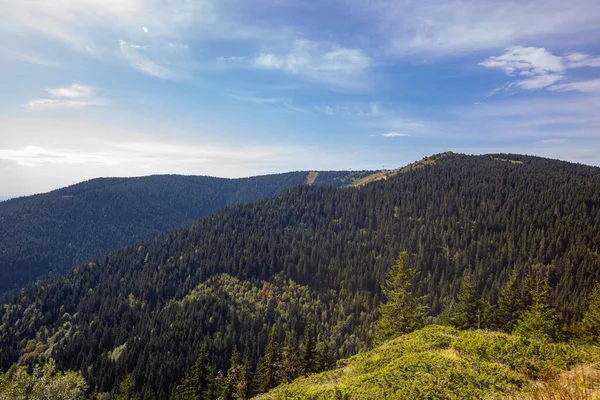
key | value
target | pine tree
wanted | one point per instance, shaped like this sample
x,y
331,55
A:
x,y
402,313
510,304
125,390
269,366
540,320
199,385
467,312
590,325
308,358
236,384
324,359
290,364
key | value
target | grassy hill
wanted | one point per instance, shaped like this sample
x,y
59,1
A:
x,y
440,362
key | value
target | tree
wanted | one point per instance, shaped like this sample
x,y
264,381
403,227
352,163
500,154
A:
x,y
269,366
402,313
45,383
540,320
324,359
590,325
126,387
308,358
290,364
199,384
514,299
467,312
236,382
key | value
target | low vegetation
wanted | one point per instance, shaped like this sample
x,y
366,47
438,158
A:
x,y
440,362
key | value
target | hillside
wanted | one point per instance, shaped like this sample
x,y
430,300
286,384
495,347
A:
x,y
310,259
48,233
442,363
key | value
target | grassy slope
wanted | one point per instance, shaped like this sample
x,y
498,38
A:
x,y
443,363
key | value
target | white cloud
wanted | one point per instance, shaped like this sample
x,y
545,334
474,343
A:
x,y
539,67
394,134
581,86
133,54
74,90
74,96
145,29
320,62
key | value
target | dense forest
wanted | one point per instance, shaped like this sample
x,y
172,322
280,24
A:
x,y
304,269
46,234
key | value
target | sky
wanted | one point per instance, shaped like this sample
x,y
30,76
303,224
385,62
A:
x,y
96,88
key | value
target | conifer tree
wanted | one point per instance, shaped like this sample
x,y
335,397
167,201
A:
x,y
199,384
510,304
324,359
308,358
467,312
236,382
290,364
402,313
540,320
590,325
125,390
268,369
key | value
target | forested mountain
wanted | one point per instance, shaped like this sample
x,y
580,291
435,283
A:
x,y
49,233
306,266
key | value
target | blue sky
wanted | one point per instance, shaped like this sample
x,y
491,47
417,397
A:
x,y
236,88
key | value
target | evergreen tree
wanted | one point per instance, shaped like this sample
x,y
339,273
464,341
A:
x,y
467,312
514,299
590,325
308,358
324,359
402,313
290,364
198,385
540,320
126,388
268,369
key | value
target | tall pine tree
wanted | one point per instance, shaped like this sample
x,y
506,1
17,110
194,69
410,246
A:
x,y
590,325
308,358
290,363
402,313
467,311
267,376
540,320
199,384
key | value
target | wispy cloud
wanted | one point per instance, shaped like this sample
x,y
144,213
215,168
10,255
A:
x,y
395,134
320,62
249,98
450,27
133,54
74,96
592,85
538,67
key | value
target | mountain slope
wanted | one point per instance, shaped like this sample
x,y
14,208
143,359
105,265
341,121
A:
x,y
442,363
51,232
311,256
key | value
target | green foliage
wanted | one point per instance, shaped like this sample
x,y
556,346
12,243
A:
x,y
308,359
126,388
402,312
468,309
237,382
268,373
514,299
199,384
439,363
540,319
68,226
310,253
290,363
45,383
589,328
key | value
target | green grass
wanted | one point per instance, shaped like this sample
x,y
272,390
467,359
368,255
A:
x,y
440,362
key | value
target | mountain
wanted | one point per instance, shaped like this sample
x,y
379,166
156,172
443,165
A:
x,y
443,363
309,262
46,234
